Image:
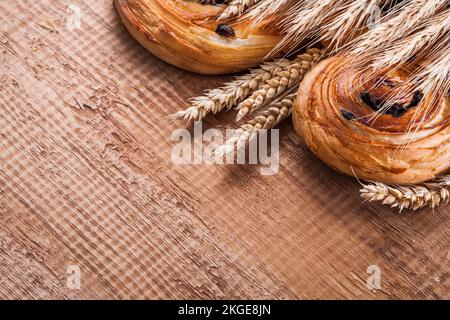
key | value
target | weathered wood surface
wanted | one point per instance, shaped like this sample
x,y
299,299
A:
x,y
86,180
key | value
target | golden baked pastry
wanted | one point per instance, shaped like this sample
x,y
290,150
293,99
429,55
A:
x,y
335,114
187,34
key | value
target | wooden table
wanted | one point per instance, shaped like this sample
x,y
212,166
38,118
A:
x,y
87,182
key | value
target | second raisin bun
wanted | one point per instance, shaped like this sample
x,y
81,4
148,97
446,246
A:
x,y
187,34
340,116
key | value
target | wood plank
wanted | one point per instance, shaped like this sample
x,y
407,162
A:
x,y
87,180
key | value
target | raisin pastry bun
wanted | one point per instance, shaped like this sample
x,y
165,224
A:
x,y
187,34
340,116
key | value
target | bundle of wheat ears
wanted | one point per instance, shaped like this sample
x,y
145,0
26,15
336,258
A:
x,y
372,35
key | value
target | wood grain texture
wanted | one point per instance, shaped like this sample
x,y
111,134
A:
x,y
86,179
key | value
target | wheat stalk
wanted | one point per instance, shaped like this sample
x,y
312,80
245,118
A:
x,y
266,119
436,75
229,95
236,8
271,117
397,24
303,20
262,80
266,8
399,35
348,21
214,2
287,75
432,73
413,197
436,30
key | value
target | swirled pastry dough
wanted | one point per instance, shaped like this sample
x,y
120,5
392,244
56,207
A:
x,y
187,34
341,117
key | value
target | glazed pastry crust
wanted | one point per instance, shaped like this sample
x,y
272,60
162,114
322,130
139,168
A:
x,y
182,33
338,126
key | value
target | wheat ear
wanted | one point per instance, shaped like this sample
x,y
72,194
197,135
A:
x,y
436,30
348,21
212,1
270,118
266,8
303,20
236,8
229,95
436,74
415,197
266,119
287,75
397,24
